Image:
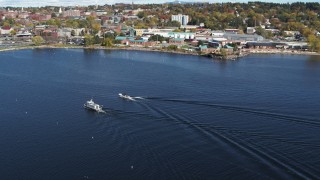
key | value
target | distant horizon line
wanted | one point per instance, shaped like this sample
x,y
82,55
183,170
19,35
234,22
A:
x,y
169,2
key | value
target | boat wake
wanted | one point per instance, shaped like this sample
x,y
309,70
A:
x,y
271,160
297,119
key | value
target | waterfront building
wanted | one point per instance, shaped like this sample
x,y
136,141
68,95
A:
x,y
242,37
183,19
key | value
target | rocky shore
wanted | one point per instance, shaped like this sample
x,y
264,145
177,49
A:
x,y
242,53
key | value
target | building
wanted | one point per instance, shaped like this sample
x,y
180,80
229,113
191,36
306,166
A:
x,y
267,45
139,32
5,30
183,19
71,13
176,41
183,35
242,37
40,17
251,30
234,31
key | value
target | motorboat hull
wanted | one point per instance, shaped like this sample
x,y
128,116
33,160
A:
x,y
123,96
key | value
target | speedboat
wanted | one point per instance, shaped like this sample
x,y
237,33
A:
x,y
93,106
127,97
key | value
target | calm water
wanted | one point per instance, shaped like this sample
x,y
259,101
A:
x,y
256,118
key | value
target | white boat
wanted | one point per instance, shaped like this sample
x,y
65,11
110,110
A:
x,y
125,96
93,106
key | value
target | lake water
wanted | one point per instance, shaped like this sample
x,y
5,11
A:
x,y
258,117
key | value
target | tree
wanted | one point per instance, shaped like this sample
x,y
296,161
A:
x,y
142,14
173,24
37,40
172,47
95,28
82,33
262,32
88,40
109,35
223,53
13,32
72,23
73,32
96,39
53,15
107,42
314,43
156,37
200,43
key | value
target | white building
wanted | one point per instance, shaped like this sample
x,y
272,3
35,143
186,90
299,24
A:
x,y
251,30
71,13
183,19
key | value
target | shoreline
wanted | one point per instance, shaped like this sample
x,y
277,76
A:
x,y
244,53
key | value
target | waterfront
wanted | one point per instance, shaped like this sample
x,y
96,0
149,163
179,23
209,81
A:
x,y
253,118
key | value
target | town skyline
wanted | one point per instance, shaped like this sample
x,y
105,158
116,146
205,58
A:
x,y
34,3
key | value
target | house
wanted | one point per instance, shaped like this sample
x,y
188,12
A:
x,y
5,30
64,32
50,34
24,35
291,33
130,18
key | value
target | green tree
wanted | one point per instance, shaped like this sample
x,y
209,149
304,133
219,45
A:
x,y
156,37
314,43
107,42
13,32
142,14
82,33
223,53
173,24
73,32
172,47
37,40
200,43
262,32
109,35
88,40
177,30
97,39
95,28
